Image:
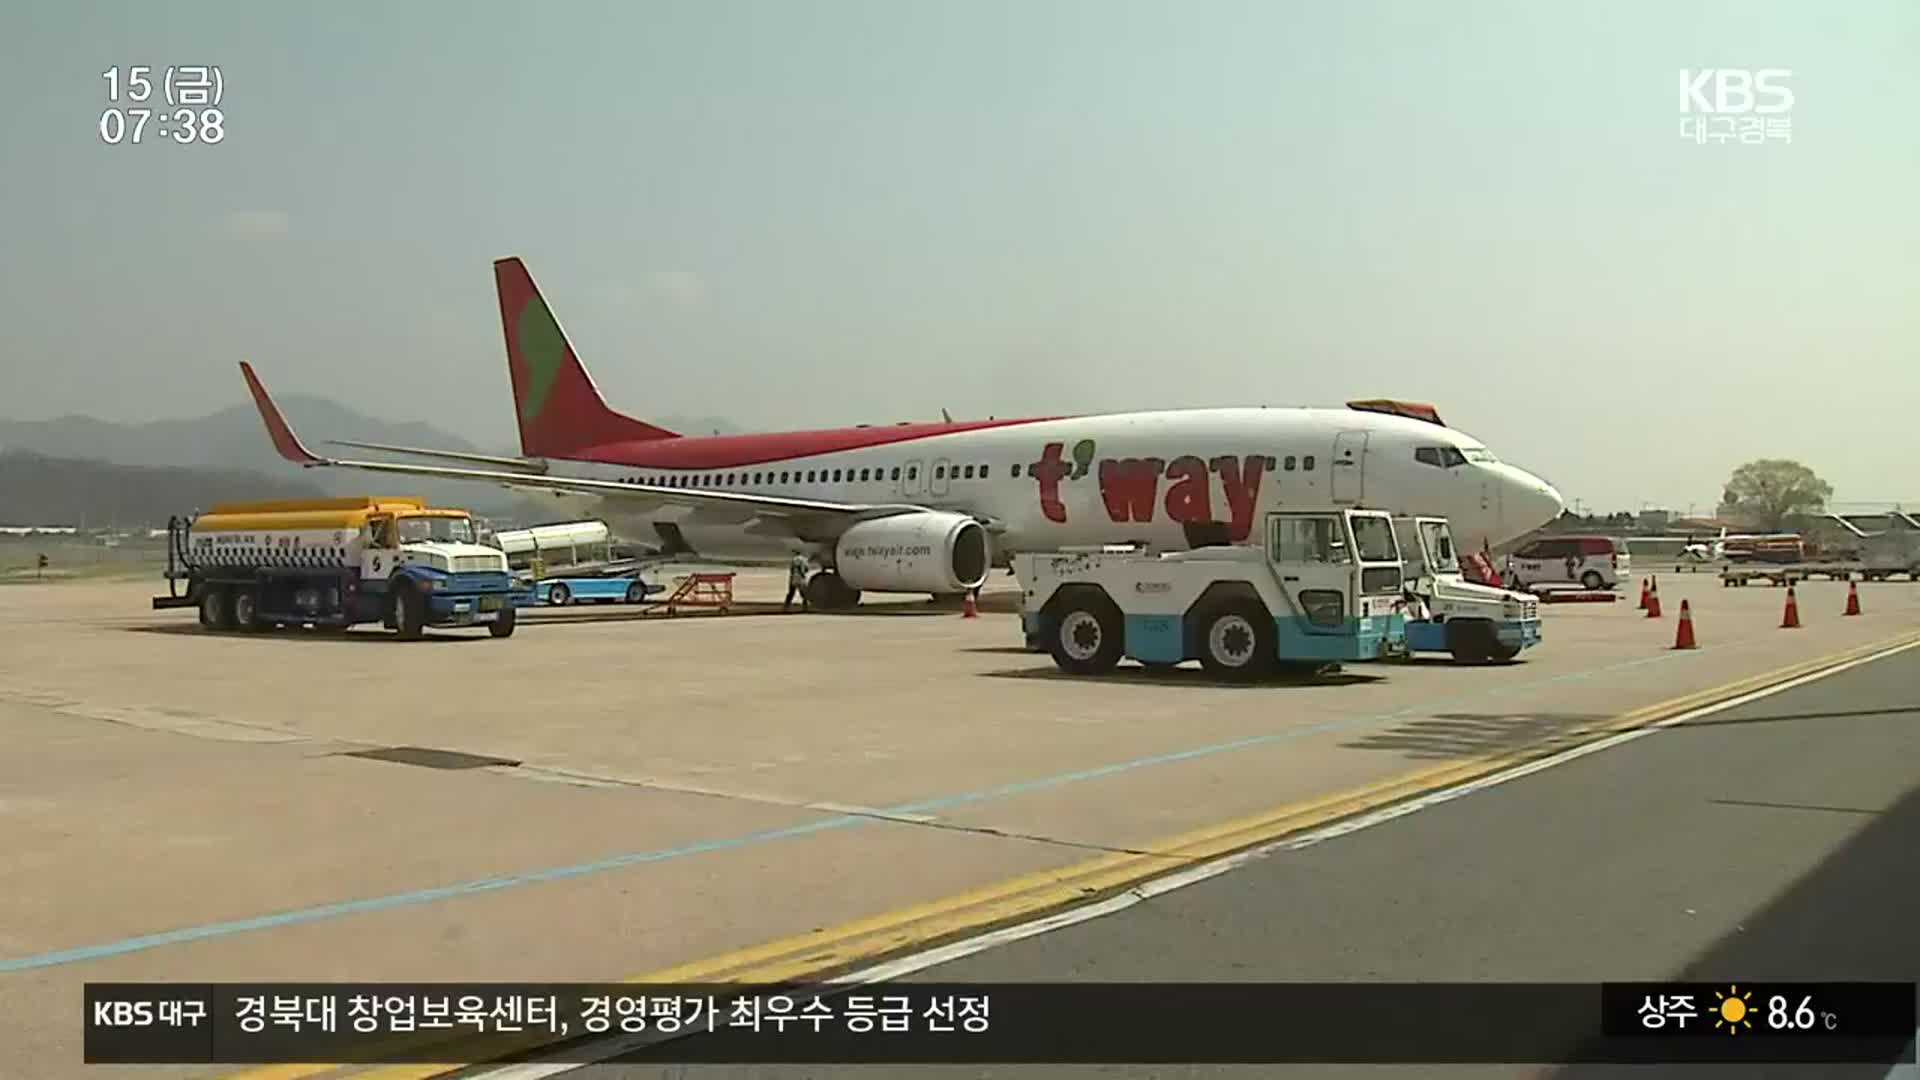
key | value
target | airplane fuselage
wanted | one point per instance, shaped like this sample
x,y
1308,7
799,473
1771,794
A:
x,y
1170,479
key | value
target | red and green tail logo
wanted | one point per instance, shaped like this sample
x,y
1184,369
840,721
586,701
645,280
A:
x,y
542,350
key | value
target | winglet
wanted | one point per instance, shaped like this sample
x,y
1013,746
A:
x,y
284,440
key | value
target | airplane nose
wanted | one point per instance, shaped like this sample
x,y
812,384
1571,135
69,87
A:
x,y
1527,502
1541,501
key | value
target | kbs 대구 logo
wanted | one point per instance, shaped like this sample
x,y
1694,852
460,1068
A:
x,y
1735,104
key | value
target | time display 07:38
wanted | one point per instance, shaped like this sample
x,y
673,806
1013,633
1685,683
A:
x,y
195,91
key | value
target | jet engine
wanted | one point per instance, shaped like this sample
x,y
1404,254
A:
x,y
928,551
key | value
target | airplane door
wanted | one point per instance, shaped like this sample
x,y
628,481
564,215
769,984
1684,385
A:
x,y
914,480
942,468
1349,466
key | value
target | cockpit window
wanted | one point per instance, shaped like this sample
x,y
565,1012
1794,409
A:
x,y
1481,455
1444,456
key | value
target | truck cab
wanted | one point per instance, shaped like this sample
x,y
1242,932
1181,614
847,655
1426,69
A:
x,y
1324,587
1447,613
435,555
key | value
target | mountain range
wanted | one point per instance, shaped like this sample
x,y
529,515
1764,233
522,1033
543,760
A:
x,y
230,452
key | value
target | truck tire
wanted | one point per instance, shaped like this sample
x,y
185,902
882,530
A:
x,y
409,610
503,626
216,608
1469,640
1086,635
558,595
246,609
1236,641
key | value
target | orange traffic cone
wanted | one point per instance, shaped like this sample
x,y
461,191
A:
x,y
1643,594
1790,620
1853,599
1653,599
1684,638
970,610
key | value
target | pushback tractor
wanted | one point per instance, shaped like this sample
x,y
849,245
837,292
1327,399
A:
x,y
1449,614
334,563
1325,587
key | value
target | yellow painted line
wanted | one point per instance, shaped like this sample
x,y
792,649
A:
x,y
922,925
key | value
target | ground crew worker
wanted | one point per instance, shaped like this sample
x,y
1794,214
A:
x,y
796,582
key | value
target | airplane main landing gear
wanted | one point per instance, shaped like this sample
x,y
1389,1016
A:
x,y
826,591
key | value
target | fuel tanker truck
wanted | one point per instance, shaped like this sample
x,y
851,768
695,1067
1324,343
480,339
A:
x,y
332,563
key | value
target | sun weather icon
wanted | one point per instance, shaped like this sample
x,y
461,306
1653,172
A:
x,y
1733,1012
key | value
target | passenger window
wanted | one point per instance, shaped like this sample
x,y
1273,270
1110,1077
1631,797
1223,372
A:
x,y
983,472
1306,539
939,472
969,473
896,472
1306,463
913,471
836,476
1016,472
863,475
1290,463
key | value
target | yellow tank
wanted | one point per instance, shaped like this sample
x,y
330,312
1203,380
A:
x,y
302,514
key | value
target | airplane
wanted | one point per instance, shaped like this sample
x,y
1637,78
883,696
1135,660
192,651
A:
x,y
931,507
1719,549
1702,553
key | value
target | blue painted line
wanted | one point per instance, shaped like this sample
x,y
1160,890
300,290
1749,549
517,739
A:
x,y
616,862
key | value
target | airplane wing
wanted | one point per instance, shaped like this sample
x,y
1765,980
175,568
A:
x,y
808,519
532,465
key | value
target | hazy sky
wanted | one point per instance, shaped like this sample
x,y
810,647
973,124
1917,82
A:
x,y
806,213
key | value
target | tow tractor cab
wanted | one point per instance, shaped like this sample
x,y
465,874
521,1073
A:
x,y
1447,613
1324,587
338,562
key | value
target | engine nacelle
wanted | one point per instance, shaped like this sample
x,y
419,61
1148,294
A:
x,y
928,551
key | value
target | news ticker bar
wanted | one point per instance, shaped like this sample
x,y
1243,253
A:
x,y
1040,1023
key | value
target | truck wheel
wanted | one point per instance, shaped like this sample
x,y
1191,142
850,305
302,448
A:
x,y
1470,640
409,611
502,626
216,610
1087,637
246,609
1236,642
558,595
1592,580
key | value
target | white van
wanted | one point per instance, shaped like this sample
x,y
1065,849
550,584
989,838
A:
x,y
1592,562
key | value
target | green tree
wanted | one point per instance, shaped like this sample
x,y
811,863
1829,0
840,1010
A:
x,y
1766,492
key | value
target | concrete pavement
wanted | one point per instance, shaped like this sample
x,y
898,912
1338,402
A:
x,y
681,793
1772,841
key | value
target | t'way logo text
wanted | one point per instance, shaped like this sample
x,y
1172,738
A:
x,y
1130,487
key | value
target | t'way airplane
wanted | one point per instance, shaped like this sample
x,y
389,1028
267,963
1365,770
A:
x,y
929,507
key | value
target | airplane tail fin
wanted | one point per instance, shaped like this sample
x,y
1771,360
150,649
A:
x,y
559,409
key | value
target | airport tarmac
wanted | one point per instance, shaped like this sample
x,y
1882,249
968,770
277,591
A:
x,y
1752,844
672,795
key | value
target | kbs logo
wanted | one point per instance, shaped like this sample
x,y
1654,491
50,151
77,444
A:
x,y
1734,91
1725,104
